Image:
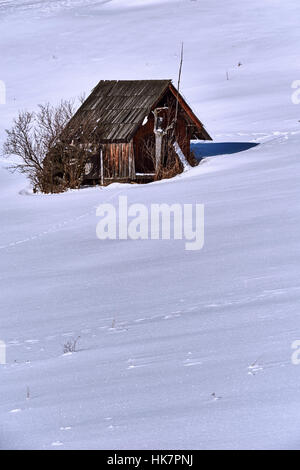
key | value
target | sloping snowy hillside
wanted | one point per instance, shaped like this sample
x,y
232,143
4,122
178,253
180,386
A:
x,y
177,349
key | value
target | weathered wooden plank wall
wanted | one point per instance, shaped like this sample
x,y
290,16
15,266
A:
x,y
119,160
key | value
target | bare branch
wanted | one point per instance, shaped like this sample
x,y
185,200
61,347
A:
x,y
47,148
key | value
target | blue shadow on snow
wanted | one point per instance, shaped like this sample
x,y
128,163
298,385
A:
x,y
212,149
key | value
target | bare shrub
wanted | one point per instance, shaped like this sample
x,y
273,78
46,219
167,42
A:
x,y
52,146
65,162
171,166
33,135
70,346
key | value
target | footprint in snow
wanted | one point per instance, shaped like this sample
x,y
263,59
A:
x,y
57,444
171,316
133,365
189,362
14,343
254,368
111,427
214,397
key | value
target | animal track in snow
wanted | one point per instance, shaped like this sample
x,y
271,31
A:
x,y
57,444
254,368
214,397
194,363
189,362
58,227
14,342
135,366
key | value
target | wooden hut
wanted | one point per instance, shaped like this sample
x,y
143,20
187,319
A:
x,y
136,120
